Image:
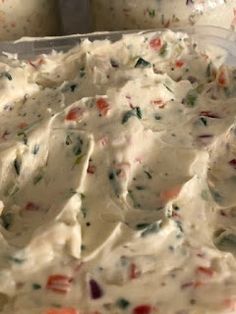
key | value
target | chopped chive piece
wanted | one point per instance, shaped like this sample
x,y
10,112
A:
x,y
6,75
24,137
135,112
68,140
36,286
77,149
37,179
73,87
82,72
157,117
208,70
148,174
7,220
163,50
16,260
36,149
191,98
122,303
151,228
78,159
151,13
84,212
204,121
142,226
141,63
17,166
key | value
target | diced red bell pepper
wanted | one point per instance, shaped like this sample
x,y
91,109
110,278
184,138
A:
x,y
59,283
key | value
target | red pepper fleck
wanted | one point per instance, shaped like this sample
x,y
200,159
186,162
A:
x,y
209,114
230,304
179,63
134,273
36,63
91,169
102,106
159,103
4,135
30,206
22,125
155,43
222,213
205,270
74,114
187,284
95,290
194,284
205,136
232,163
59,283
142,309
223,77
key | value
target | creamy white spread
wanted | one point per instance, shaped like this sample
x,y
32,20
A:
x,y
28,18
136,14
117,179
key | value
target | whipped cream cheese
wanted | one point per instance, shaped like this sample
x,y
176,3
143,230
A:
x,y
117,179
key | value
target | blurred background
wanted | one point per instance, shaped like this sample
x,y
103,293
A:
x,y
38,18
75,23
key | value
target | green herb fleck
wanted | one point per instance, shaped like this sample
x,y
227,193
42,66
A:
x,y
135,112
163,50
7,220
82,72
6,75
191,98
36,286
204,121
78,159
142,226
83,247
148,174
17,166
36,149
11,189
16,260
24,137
37,178
226,242
68,140
84,211
204,195
152,228
157,117
73,87
168,88
151,13
141,63
139,187
122,303
208,70
77,149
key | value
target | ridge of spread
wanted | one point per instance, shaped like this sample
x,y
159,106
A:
x,y
117,179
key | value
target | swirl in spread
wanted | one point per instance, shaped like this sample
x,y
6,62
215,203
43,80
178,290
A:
x,y
118,177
